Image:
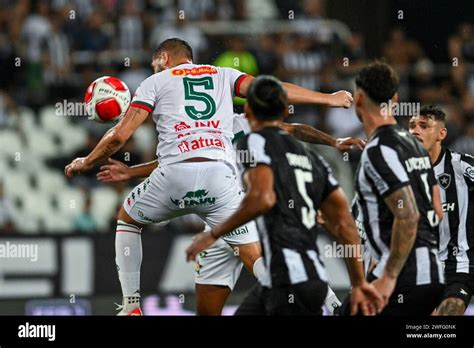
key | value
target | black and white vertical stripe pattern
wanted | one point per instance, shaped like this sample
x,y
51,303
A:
x,y
267,250
455,174
391,160
289,246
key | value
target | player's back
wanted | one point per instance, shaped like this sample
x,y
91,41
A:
x,y
392,159
193,111
302,180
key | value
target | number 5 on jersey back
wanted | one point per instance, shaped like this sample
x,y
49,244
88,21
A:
x,y
191,94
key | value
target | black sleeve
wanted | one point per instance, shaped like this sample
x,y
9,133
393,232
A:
x,y
432,178
383,166
330,182
467,166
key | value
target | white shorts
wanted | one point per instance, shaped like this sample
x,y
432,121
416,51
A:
x,y
210,190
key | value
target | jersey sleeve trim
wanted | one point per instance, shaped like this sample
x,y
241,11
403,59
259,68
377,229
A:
x,y
467,166
142,105
330,189
393,188
237,84
256,146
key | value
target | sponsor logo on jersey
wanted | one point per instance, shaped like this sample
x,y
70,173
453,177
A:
x,y
238,231
444,180
196,144
417,163
469,173
448,206
198,266
182,126
194,71
191,198
207,124
146,218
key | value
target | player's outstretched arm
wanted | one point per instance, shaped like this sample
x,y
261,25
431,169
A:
x,y
259,199
301,95
118,171
313,135
110,143
341,225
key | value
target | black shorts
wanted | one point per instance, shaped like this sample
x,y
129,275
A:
x,y
407,299
459,285
304,298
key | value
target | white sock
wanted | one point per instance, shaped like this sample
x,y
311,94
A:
x,y
259,269
128,257
331,302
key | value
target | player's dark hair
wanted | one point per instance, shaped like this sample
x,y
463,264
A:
x,y
175,47
379,81
434,112
267,98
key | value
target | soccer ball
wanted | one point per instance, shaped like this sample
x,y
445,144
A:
x,y
107,99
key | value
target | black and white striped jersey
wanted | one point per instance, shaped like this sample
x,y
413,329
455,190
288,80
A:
x,y
455,174
392,159
302,181
356,211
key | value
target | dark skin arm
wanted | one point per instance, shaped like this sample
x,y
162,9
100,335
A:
x,y
260,198
340,224
405,223
110,143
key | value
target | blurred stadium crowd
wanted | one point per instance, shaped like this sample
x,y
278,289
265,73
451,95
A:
x,y
50,51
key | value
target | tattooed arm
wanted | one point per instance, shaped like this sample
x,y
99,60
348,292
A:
x,y
451,306
405,224
110,143
312,135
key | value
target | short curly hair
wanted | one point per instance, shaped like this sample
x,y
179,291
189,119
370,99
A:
x,y
379,81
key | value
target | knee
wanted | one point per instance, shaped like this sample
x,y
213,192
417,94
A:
x,y
248,253
123,216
